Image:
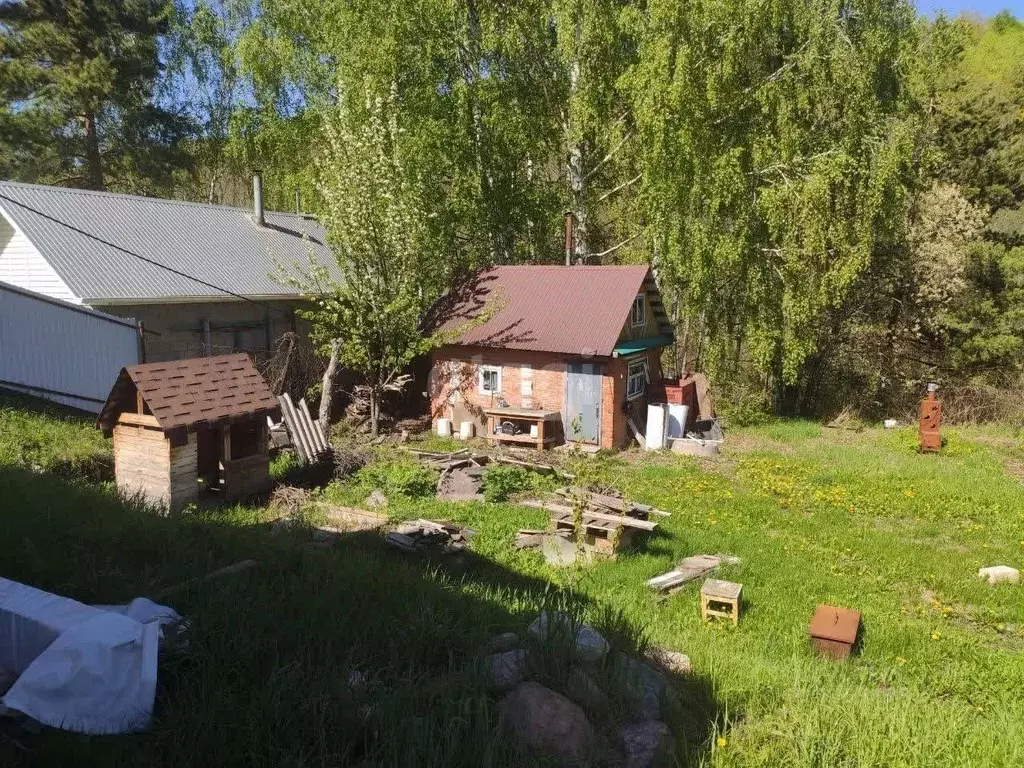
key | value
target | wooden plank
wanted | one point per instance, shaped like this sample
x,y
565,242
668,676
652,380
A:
x,y
636,433
138,419
626,520
244,565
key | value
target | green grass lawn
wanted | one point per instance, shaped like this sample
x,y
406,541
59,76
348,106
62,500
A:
x,y
859,520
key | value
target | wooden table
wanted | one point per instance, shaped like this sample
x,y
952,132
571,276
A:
x,y
530,415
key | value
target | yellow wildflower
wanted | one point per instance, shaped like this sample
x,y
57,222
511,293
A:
x,y
936,635
722,742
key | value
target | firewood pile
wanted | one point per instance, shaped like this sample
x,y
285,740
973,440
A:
x,y
437,536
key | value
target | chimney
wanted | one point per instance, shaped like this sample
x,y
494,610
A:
x,y
257,197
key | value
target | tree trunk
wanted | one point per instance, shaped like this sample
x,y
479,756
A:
x,y
327,389
574,170
374,411
93,159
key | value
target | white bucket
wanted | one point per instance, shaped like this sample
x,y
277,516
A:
x,y
466,430
444,427
533,431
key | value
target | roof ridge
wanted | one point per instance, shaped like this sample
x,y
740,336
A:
x,y
145,198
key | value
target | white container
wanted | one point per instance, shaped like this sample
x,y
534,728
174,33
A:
x,y
657,423
677,416
466,430
533,431
444,427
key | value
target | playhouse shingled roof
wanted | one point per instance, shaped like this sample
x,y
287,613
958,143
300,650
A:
x,y
576,310
185,393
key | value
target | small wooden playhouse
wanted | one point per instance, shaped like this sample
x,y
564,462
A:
x,y
190,428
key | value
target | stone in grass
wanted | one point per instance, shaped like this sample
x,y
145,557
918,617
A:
x,y
590,645
376,500
670,661
505,670
646,684
584,690
504,641
1000,574
646,744
547,722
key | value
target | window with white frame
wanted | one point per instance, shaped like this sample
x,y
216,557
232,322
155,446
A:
x,y
489,379
636,380
639,314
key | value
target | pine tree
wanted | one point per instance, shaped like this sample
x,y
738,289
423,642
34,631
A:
x,y
77,78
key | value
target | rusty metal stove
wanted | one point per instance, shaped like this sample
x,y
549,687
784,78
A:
x,y
929,421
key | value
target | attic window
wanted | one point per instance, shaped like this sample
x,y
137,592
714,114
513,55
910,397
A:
x,y
638,317
490,379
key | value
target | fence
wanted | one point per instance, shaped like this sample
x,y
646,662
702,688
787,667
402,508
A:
x,y
60,351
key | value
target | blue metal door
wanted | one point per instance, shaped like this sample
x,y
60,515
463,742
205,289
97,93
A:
x,y
583,402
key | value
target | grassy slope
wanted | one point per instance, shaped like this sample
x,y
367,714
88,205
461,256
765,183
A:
x,y
858,520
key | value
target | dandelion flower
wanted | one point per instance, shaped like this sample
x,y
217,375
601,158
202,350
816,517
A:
x,y
722,742
936,635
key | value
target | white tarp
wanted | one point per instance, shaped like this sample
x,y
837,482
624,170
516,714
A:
x,y
82,668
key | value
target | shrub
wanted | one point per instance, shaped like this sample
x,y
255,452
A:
x,y
401,476
500,482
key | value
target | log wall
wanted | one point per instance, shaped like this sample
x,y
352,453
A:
x,y
146,464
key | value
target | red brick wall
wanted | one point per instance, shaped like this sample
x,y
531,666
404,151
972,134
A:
x,y
547,374
544,370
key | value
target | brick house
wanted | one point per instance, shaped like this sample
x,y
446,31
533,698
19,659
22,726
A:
x,y
584,341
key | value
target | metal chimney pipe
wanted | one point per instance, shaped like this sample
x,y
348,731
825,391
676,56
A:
x,y
257,197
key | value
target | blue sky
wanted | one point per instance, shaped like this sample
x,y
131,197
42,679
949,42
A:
x,y
983,7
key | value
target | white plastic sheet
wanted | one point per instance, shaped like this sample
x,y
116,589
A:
x,y
82,668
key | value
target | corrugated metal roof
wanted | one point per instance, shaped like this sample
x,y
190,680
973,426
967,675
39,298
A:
x,y
576,310
184,393
80,232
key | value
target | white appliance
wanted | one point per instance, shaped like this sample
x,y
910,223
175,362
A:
x,y
657,424
677,416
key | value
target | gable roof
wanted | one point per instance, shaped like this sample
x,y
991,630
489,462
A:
x,y
186,393
197,248
576,310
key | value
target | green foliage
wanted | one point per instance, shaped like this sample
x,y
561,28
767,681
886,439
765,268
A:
x,y
79,103
776,158
399,475
40,436
501,482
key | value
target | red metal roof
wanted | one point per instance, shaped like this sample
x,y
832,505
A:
x,y
183,393
577,310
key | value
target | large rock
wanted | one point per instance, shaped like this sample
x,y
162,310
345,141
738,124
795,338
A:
x,y
505,641
671,661
505,670
547,722
589,646
646,743
585,691
1000,574
646,684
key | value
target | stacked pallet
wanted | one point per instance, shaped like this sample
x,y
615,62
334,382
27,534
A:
x,y
603,529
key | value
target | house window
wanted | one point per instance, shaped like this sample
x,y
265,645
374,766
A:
x,y
490,379
636,382
639,314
